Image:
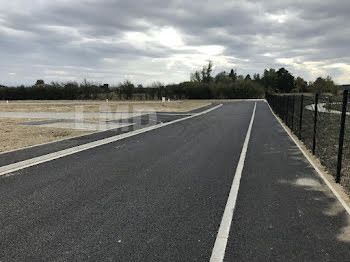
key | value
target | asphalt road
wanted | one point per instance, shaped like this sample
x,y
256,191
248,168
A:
x,y
139,122
160,196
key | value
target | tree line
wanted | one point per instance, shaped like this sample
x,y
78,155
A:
x,y
202,85
282,81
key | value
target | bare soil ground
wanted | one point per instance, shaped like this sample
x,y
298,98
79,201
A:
x,y
13,135
72,106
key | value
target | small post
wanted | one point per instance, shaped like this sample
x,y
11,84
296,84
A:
x,y
301,115
280,106
275,102
341,135
286,112
293,101
315,125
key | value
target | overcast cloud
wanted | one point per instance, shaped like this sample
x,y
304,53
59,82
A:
x,y
144,41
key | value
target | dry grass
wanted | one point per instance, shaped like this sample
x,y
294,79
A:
x,y
91,106
13,135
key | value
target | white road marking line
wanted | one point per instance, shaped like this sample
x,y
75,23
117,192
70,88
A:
x,y
341,200
218,252
63,139
4,170
175,114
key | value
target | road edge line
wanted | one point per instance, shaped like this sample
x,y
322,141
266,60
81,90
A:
x,y
96,132
55,141
219,249
319,172
4,170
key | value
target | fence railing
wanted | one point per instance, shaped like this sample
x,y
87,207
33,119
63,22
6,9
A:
x,y
319,121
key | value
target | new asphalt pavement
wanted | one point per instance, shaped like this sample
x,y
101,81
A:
x,y
160,196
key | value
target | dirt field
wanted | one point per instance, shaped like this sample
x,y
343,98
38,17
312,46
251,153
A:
x,y
72,106
13,135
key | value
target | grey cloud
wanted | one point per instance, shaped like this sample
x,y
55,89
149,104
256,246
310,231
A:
x,y
80,34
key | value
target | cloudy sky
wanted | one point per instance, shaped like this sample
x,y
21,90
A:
x,y
108,41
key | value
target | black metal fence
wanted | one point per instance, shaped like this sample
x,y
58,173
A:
x,y
319,121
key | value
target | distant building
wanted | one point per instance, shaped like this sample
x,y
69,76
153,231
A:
x,y
345,87
40,83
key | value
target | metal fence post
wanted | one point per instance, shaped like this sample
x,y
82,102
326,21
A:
x,y
315,125
341,135
280,106
301,115
287,107
292,124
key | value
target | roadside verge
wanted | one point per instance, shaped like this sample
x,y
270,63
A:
x,y
337,189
